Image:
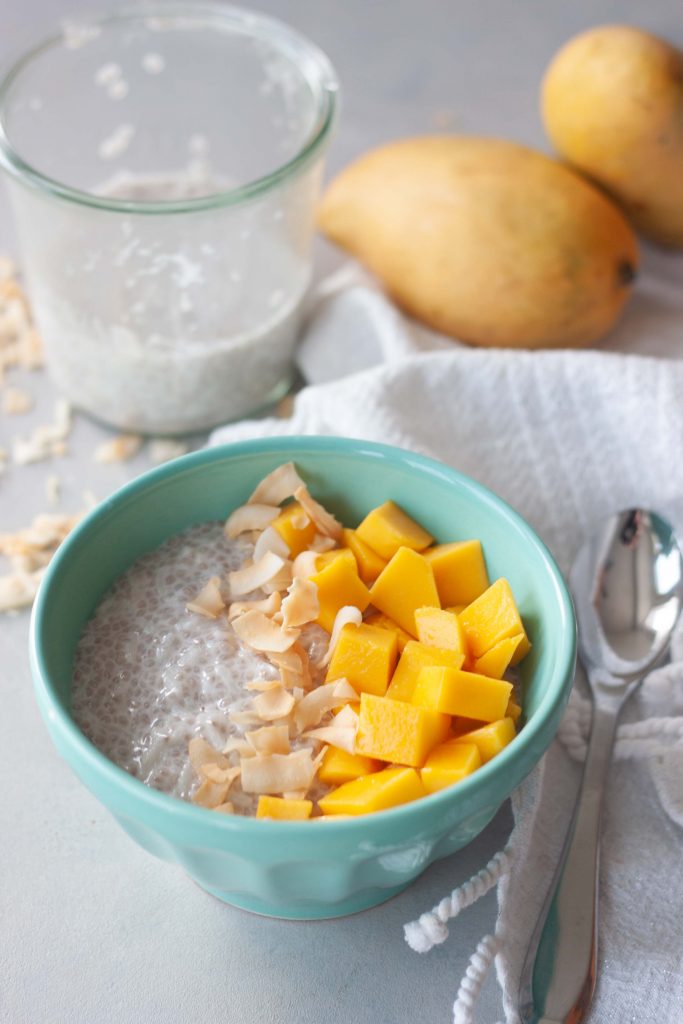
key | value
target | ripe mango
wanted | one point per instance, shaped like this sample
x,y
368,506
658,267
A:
x,y
446,220
611,101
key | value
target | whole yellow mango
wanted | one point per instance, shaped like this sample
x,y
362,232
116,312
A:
x,y
612,103
485,240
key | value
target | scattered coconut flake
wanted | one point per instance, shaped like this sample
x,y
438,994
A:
x,y
253,577
238,746
107,74
318,702
163,449
47,441
245,718
261,685
305,564
258,631
301,604
29,551
347,717
278,773
251,517
18,590
268,605
226,808
295,794
211,794
321,544
280,581
202,753
209,601
16,401
215,774
346,616
270,540
19,341
273,704
271,739
279,485
335,735
324,520
53,489
118,449
153,63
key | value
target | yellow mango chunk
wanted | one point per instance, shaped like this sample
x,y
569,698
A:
x,y
459,571
513,711
392,730
388,788
388,528
384,622
522,650
284,810
454,692
338,766
415,657
339,584
490,739
327,557
370,564
407,583
439,628
296,537
496,660
460,725
490,618
366,656
448,764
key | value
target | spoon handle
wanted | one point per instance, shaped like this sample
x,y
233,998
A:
x,y
558,977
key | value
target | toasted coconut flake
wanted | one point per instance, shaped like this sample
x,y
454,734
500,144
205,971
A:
x,y
318,702
301,604
344,738
226,808
53,489
320,544
270,540
202,753
277,486
346,616
294,666
239,746
215,774
324,520
300,521
250,517
16,401
347,717
295,794
271,739
245,718
280,581
305,564
262,685
258,631
209,601
253,577
118,449
47,441
269,606
278,773
211,794
273,704
18,589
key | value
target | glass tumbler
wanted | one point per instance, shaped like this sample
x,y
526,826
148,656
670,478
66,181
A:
x,y
163,165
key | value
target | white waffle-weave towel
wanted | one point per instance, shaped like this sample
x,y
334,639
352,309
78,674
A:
x,y
566,438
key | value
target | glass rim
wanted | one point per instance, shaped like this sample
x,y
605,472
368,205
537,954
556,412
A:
x,y
318,72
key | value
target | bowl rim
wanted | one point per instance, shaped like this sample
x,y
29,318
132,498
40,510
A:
x,y
552,701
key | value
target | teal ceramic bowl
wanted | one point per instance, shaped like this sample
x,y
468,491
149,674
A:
x,y
321,868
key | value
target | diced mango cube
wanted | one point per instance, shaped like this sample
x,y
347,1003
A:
x,y
284,810
384,622
338,766
388,528
439,628
454,692
459,571
392,730
415,657
490,739
495,661
513,711
366,656
492,617
448,764
370,564
376,792
297,537
407,583
339,584
460,725
327,557
522,650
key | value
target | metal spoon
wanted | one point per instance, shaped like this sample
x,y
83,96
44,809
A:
x,y
627,584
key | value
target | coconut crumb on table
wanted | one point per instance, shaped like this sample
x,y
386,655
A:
x,y
47,441
53,489
163,449
118,449
16,401
29,552
20,344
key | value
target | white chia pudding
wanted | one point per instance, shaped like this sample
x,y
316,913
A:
x,y
150,675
